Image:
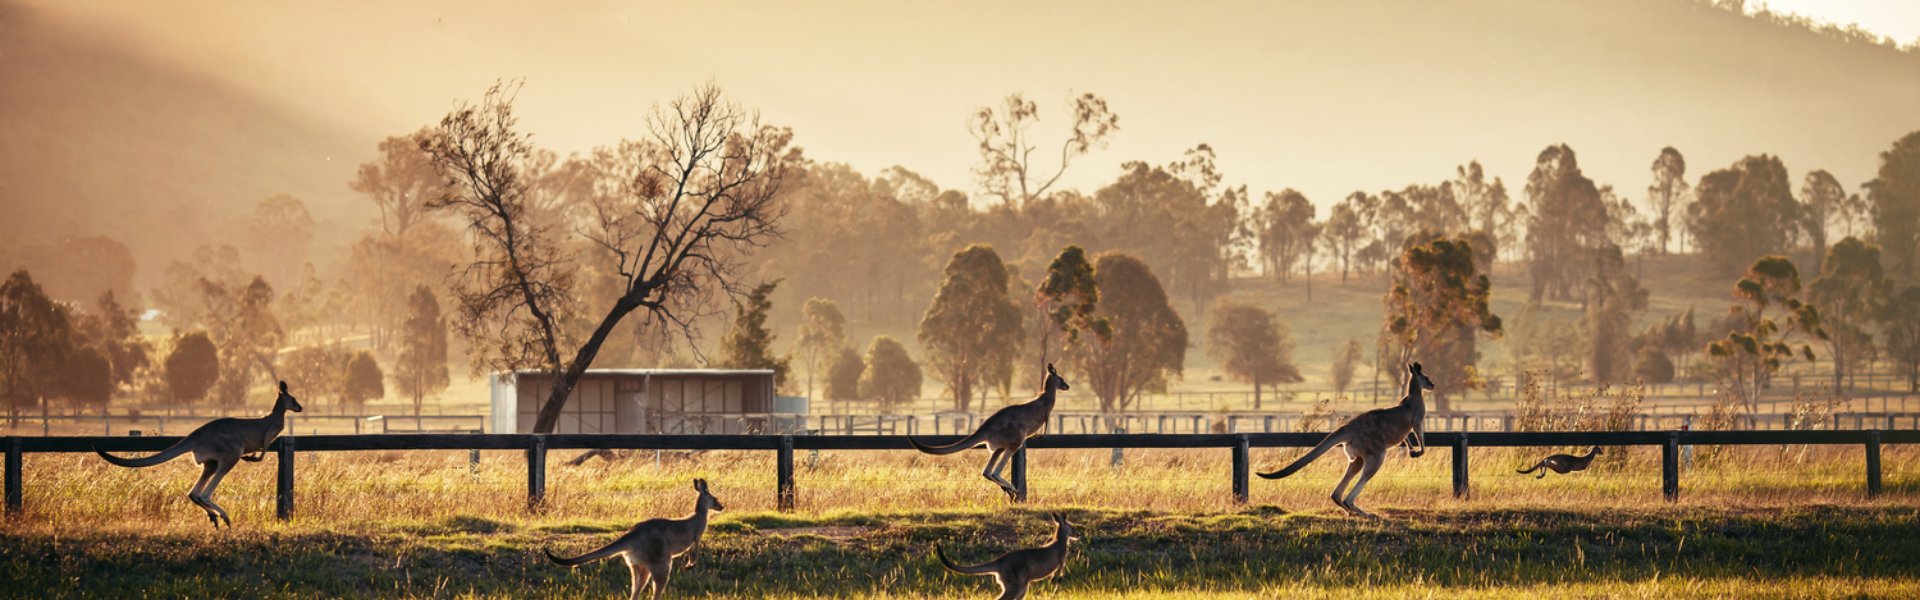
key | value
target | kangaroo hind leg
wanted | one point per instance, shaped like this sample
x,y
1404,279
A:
x,y
1012,588
995,465
642,578
225,465
662,571
1353,468
194,494
1371,466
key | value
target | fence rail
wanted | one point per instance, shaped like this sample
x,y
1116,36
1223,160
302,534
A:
x,y
161,422
1239,444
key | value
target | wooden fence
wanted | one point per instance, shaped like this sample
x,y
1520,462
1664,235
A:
x,y
536,447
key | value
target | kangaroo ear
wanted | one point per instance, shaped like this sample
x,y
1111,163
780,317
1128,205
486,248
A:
x,y
700,485
1050,369
1415,368
283,387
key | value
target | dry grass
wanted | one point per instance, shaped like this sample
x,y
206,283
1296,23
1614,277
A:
x,y
1761,522
83,492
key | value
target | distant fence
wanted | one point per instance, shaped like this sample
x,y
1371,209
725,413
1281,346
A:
x,y
159,423
1784,393
536,447
1062,422
1170,422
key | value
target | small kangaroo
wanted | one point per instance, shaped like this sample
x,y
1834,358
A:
x,y
1369,435
218,446
1006,431
1562,463
650,547
1017,570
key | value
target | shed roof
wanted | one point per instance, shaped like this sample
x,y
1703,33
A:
x,y
660,372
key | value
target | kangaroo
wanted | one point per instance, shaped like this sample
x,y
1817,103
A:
x,y
1562,463
218,446
650,547
1006,431
1017,570
1369,435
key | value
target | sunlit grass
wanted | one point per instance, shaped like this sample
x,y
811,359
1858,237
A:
x,y
1764,521
83,491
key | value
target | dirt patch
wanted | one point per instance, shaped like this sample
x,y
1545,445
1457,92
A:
x,y
836,533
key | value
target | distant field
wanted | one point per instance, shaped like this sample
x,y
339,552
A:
x,y
1759,522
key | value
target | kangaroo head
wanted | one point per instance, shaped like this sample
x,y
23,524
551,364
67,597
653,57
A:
x,y
1425,384
1596,450
1054,381
707,500
1062,529
293,404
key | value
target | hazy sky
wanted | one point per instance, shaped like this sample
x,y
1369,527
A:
x,y
877,83
1897,19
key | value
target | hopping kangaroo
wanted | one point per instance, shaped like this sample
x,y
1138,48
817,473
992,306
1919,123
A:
x,y
218,446
1369,435
650,547
1006,432
1562,463
1017,570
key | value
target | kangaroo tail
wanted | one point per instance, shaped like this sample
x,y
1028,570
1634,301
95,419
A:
x,y
1532,468
986,567
607,551
965,443
177,449
1332,440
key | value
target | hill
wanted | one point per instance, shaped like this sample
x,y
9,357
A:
x,y
100,141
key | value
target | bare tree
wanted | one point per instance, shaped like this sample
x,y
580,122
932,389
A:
x,y
517,287
673,212
1006,166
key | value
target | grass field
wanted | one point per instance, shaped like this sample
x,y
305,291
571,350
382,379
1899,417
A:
x,y
1752,522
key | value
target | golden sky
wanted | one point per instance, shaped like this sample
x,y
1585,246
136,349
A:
x,y
1325,97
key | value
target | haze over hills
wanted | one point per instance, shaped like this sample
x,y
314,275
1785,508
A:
x,y
102,141
161,135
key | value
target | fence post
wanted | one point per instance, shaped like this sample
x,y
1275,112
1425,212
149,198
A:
x,y
473,455
783,473
15,493
1460,466
536,472
1670,467
283,507
1873,463
1240,467
1020,475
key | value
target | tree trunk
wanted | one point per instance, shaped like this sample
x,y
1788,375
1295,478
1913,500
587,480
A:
x,y
962,392
1839,368
1309,278
563,384
1376,378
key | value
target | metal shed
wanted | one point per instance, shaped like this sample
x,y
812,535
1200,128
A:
x,y
687,401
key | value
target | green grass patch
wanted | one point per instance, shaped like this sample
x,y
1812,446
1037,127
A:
x,y
1814,551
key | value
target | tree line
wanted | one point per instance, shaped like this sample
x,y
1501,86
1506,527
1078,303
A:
x,y
544,258
236,342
